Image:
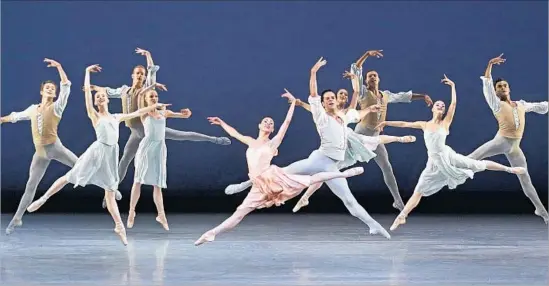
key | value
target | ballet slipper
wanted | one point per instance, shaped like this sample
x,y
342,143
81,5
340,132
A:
x,y
206,237
303,202
543,215
161,218
131,218
37,204
400,219
119,229
13,224
398,206
378,229
407,139
516,170
353,172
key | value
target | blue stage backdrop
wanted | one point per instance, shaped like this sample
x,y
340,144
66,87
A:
x,y
234,59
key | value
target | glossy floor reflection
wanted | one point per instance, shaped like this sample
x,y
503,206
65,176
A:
x,y
277,250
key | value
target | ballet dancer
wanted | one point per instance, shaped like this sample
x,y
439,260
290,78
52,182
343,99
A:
x,y
150,159
511,119
271,184
370,94
99,164
444,167
128,95
360,147
44,118
331,125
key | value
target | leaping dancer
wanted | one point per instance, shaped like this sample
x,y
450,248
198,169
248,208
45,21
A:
x,y
44,118
271,184
444,167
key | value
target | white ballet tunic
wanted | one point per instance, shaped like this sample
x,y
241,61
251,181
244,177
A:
x,y
99,164
444,167
150,159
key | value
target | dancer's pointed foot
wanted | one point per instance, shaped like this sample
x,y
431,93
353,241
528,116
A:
x,y
543,214
353,172
222,141
161,219
303,202
119,229
407,139
117,195
400,219
37,204
516,170
235,188
206,237
131,218
398,206
13,224
378,229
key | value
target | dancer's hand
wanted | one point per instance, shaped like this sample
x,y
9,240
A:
x,y
428,100
289,96
497,60
215,120
447,81
141,52
349,75
161,86
94,68
375,53
320,63
381,125
52,63
186,112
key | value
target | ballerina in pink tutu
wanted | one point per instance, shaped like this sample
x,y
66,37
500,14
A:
x,y
271,185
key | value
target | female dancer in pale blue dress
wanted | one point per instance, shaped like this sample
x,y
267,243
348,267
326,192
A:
x,y
444,167
150,159
99,164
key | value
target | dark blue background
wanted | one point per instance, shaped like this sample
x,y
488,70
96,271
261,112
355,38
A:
x,y
233,60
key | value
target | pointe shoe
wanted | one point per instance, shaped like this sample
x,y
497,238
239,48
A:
x,y
223,141
13,224
398,206
161,219
517,170
37,204
131,218
353,172
119,229
235,188
378,229
206,237
301,203
400,219
407,139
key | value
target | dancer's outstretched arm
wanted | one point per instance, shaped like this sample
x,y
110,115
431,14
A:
x,y
184,113
355,81
319,114
18,116
488,85
277,140
537,107
402,124
64,89
231,131
452,108
141,112
90,110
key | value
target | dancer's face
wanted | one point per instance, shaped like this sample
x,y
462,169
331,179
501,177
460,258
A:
x,y
342,97
138,74
151,98
329,101
48,90
101,98
439,108
503,91
267,125
372,78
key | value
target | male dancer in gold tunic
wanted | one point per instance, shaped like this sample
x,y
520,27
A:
x,y
511,119
44,118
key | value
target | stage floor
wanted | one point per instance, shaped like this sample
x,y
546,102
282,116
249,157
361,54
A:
x,y
277,250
